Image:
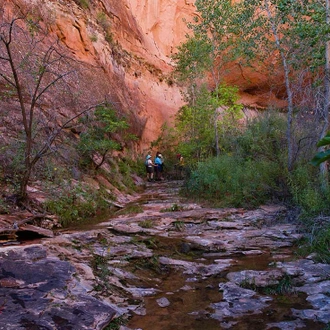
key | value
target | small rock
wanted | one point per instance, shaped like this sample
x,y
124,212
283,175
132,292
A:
x,y
163,302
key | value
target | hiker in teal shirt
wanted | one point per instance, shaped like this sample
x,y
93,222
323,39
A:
x,y
158,166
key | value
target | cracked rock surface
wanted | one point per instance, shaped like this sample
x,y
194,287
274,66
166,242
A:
x,y
176,264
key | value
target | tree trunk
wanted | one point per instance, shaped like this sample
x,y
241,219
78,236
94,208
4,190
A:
x,y
24,183
287,86
216,136
324,176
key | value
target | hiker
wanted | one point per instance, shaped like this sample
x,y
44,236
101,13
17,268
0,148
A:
x,y
180,166
149,168
158,166
162,167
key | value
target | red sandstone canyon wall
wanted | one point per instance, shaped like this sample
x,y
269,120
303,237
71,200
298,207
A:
x,y
126,47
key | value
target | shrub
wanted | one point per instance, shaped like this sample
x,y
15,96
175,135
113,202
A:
x,y
230,181
317,239
4,209
109,37
76,204
84,4
93,37
148,223
306,191
102,19
263,138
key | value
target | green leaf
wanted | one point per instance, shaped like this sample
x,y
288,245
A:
x,y
324,141
320,157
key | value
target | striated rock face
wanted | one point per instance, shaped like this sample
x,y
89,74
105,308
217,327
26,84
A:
x,y
125,48
132,42
162,21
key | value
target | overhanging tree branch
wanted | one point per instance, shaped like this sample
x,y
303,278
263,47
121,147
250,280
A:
x,y
33,69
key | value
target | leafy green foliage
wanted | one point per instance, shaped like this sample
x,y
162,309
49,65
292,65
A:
x,y
284,38
193,58
231,181
263,138
323,155
283,287
216,29
4,209
287,39
82,3
166,140
75,204
305,190
199,124
178,225
317,239
102,19
254,172
152,264
321,244
300,26
93,37
148,223
99,136
226,98
116,324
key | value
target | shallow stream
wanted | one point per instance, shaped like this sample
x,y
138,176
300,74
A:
x,y
211,244
166,263
189,301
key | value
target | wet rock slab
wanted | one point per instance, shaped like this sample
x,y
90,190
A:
x,y
303,275
80,280
41,292
237,302
224,236
313,279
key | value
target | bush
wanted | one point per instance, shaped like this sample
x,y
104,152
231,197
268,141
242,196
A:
x,y
230,181
102,19
264,138
256,172
321,244
306,191
84,4
317,239
76,204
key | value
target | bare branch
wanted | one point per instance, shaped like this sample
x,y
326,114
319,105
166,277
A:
x,y
7,79
52,137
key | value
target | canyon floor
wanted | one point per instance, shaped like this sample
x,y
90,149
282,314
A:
x,y
163,263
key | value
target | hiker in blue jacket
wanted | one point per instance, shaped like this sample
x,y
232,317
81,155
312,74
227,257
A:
x,y
158,166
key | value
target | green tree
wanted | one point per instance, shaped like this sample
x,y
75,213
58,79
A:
x,y
324,136
290,34
272,34
209,47
193,58
199,125
34,73
104,129
216,28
